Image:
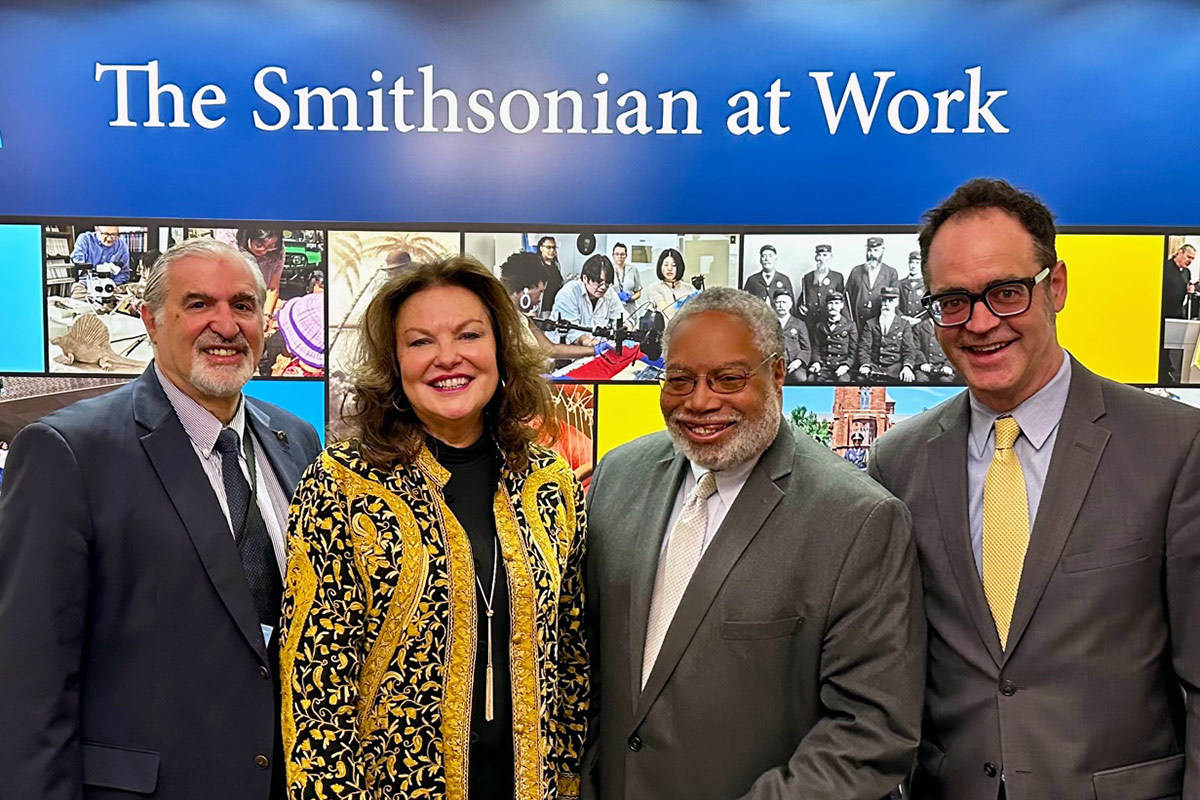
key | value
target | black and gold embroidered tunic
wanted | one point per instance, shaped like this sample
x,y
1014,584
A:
x,y
380,631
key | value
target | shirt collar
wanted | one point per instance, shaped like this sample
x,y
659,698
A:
x,y
729,481
198,422
1038,416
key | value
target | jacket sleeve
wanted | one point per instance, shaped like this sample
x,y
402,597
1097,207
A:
x,y
872,673
866,346
45,578
1183,608
574,678
323,620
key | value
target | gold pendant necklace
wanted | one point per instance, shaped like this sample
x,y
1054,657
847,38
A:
x,y
488,712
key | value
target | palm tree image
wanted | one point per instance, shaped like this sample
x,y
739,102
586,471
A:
x,y
362,261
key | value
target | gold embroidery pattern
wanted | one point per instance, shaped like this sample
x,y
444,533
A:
x,y
527,705
459,673
379,631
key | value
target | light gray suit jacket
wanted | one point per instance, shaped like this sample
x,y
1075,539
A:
x,y
1086,702
794,665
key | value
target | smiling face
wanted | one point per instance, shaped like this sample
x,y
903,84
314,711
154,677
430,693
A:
x,y
720,431
446,350
208,337
1003,360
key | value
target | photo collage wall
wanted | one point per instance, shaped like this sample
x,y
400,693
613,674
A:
x,y
860,350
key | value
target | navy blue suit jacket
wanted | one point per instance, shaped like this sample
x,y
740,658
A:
x,y
131,659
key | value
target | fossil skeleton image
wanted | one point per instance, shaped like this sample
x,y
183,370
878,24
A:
x,y
87,343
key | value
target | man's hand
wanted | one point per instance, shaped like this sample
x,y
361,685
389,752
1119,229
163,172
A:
x,y
907,375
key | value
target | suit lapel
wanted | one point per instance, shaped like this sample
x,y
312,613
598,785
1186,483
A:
x,y
947,454
742,522
277,446
1078,448
666,474
170,452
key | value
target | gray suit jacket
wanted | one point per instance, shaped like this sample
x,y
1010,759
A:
x,y
1086,702
794,665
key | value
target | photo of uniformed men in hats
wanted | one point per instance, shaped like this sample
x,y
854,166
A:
x,y
816,285
769,279
887,349
836,343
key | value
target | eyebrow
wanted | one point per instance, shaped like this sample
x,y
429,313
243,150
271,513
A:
x,y
460,327
986,286
240,297
729,365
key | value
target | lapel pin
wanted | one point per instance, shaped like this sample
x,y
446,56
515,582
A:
x,y
281,436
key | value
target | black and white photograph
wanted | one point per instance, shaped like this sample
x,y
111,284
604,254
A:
x,y
850,306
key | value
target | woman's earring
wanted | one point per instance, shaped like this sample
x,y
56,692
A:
x,y
398,408
526,302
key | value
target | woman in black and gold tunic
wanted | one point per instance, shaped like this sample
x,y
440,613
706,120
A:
x,y
433,641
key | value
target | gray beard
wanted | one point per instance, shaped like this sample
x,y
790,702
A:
x,y
221,382
755,436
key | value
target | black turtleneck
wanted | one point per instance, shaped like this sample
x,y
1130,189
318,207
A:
x,y
470,492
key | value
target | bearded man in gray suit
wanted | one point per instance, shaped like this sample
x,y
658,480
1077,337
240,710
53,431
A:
x,y
755,596
1057,519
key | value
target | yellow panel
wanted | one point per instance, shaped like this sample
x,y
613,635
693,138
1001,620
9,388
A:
x,y
625,412
1114,293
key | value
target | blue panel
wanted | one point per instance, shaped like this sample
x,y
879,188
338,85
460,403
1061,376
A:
x,y
21,267
305,399
1096,104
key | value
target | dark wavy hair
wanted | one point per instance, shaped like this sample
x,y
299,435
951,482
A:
x,y
386,435
980,194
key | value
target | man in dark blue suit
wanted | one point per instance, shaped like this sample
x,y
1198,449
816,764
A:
x,y
141,553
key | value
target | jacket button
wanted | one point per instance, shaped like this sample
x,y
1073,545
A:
x,y
1008,688
989,769
264,672
262,762
635,743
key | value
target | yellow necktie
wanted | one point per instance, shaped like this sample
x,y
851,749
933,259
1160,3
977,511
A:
x,y
1005,526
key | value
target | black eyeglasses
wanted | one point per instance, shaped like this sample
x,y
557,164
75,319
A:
x,y
1005,299
722,381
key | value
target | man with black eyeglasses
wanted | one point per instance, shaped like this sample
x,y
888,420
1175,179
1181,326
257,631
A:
x,y
755,599
1057,519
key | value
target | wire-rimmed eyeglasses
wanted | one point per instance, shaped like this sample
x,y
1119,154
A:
x,y
722,381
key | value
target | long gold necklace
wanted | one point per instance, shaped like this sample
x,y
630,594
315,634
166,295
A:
x,y
487,598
